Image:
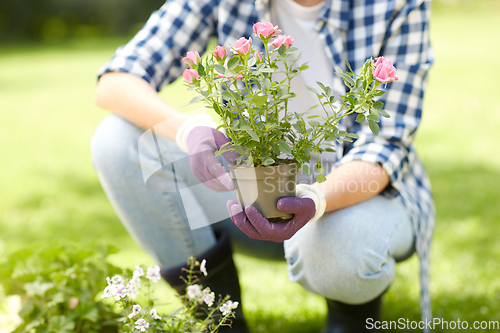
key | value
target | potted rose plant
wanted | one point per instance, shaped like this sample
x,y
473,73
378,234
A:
x,y
272,142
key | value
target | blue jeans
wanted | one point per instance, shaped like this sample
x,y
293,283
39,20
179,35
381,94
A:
x,y
348,255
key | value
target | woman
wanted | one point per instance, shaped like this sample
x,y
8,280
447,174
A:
x,y
379,207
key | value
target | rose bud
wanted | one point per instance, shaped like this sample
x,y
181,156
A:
x,y
265,30
383,70
192,59
190,75
220,54
242,46
282,39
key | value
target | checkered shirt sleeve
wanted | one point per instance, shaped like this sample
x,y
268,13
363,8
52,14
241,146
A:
x,y
155,52
406,43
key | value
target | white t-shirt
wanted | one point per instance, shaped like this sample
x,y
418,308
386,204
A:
x,y
299,22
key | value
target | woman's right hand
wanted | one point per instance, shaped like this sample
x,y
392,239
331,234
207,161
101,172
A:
x,y
203,143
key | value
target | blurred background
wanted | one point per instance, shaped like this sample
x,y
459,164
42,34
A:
x,y
49,53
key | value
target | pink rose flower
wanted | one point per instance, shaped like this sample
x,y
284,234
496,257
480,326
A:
x,y
384,71
190,75
242,46
288,40
192,58
258,56
220,53
265,30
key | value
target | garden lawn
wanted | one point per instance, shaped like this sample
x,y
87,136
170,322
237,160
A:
x,y
48,189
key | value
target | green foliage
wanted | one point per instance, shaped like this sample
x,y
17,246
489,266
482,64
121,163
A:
x,y
53,20
59,285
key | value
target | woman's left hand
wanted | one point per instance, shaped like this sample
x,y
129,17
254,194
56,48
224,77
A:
x,y
255,226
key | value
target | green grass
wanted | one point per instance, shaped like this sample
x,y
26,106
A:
x,y
48,189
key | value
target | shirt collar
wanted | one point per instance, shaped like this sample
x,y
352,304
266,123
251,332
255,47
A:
x,y
335,13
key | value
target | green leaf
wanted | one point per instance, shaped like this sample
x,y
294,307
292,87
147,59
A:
x,y
252,145
240,150
312,89
352,135
297,128
251,62
320,178
314,123
236,96
201,69
384,114
321,85
360,118
38,288
252,134
196,99
268,161
61,324
259,100
306,170
286,96
331,150
233,62
227,96
314,115
220,69
348,79
348,65
276,149
373,118
303,67
285,148
266,70
373,127
92,315
379,92
378,105
282,49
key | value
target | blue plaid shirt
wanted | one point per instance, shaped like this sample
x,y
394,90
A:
x,y
352,29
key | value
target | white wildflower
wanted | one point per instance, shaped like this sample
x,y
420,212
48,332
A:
x,y
154,314
136,309
227,307
106,292
117,279
203,267
132,290
141,324
138,272
193,291
119,291
153,273
208,297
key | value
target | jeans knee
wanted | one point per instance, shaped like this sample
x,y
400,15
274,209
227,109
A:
x,y
352,275
360,278
113,144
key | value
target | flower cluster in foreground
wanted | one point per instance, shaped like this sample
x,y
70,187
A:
x,y
146,319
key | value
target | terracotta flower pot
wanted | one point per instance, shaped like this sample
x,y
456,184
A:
x,y
262,187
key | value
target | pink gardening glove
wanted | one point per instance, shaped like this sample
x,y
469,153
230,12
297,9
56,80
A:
x,y
255,226
203,143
